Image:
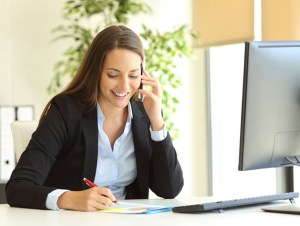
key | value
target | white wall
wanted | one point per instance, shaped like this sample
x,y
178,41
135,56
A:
x,y
27,60
26,53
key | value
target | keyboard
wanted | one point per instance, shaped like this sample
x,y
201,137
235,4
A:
x,y
221,205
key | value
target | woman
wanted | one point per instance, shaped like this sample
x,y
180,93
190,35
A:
x,y
96,129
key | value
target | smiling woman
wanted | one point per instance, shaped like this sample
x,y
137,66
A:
x,y
95,129
120,78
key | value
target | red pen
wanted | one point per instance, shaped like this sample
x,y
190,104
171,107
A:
x,y
91,184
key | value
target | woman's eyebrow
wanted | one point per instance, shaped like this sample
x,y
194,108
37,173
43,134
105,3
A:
x,y
135,70
114,69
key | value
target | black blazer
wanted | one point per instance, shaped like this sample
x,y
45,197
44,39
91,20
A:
x,y
63,150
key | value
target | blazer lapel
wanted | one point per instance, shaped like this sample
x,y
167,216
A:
x,y
90,134
140,131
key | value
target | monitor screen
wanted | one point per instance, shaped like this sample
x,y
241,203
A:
x,y
270,122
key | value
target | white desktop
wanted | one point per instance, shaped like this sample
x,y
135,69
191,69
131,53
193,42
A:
x,y
244,216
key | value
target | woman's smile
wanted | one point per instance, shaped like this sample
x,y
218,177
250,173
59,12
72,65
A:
x,y
120,94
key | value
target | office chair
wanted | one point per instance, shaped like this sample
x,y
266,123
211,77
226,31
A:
x,y
22,131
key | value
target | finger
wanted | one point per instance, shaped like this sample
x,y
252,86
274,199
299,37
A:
x,y
106,193
147,93
154,86
146,73
90,200
148,77
99,206
150,81
103,201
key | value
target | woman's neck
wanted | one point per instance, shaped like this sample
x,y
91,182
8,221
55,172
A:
x,y
114,123
111,112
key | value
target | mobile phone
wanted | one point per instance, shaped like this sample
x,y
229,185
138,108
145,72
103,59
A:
x,y
139,96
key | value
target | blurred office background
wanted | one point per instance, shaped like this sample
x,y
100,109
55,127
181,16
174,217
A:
x,y
210,100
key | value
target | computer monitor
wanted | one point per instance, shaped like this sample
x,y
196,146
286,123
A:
x,y
270,122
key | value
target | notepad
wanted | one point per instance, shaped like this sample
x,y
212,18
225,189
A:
x,y
135,208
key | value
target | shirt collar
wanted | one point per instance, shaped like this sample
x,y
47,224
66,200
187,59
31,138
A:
x,y
101,116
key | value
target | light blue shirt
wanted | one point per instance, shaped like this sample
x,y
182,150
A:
x,y
115,168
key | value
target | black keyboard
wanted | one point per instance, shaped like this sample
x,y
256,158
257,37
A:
x,y
221,205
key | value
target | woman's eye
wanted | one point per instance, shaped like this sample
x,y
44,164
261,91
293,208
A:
x,y
133,76
112,75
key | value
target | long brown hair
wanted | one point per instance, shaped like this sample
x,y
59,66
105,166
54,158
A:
x,y
84,87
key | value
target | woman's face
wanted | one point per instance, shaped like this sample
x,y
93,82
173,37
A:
x,y
120,77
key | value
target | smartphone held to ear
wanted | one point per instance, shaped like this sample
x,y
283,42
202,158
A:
x,y
139,96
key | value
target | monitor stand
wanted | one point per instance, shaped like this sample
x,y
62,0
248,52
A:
x,y
285,179
289,208
284,184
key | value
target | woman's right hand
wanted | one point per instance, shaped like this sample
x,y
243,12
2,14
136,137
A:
x,y
92,199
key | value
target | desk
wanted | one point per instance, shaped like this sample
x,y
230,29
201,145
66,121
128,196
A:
x,y
245,216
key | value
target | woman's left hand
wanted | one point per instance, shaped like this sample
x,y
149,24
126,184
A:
x,y
152,101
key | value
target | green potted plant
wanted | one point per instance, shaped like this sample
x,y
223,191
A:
x,y
85,18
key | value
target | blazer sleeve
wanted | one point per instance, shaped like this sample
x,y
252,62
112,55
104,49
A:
x,y
166,177
157,163
25,186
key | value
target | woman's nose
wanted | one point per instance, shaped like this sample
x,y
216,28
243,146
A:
x,y
124,83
